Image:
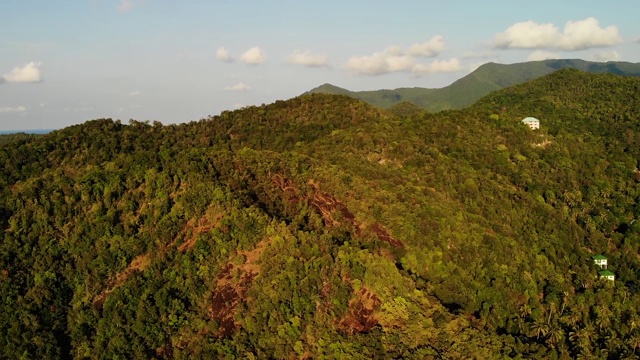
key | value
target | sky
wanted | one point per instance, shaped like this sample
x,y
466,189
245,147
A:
x,y
64,62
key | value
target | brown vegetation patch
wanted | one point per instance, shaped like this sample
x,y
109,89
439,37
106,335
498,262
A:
x,y
328,205
231,287
385,236
360,317
543,144
205,223
140,263
288,188
228,294
333,211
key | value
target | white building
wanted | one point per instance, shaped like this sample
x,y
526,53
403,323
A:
x,y
531,122
606,274
600,261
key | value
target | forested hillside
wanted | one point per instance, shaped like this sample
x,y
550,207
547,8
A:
x,y
323,227
485,79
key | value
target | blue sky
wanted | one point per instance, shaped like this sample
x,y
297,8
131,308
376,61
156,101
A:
x,y
67,61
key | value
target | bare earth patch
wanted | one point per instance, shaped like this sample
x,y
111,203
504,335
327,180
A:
x,y
140,263
360,317
231,287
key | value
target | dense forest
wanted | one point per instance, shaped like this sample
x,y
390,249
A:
x,y
322,227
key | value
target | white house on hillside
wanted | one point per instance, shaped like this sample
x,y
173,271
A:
x,y
600,261
606,274
531,122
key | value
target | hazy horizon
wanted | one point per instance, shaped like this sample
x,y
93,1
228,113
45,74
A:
x,y
65,63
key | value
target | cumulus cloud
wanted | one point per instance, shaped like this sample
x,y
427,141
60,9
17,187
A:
x,y
430,48
18,109
438,66
390,60
125,6
253,56
396,59
542,55
237,87
605,56
28,73
223,55
576,35
306,58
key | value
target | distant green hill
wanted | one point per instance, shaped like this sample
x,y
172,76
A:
x,y
487,78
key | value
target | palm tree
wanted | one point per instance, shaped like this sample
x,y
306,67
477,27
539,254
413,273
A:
x,y
612,342
555,337
539,327
581,339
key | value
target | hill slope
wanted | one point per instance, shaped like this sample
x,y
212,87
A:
x,y
487,78
324,227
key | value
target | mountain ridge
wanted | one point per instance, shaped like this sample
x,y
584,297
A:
x,y
485,79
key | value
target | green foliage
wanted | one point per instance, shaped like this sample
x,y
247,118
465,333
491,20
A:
x,y
482,81
322,227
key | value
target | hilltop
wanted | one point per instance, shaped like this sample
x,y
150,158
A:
x,y
324,227
487,78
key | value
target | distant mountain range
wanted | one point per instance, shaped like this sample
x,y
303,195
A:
x,y
487,78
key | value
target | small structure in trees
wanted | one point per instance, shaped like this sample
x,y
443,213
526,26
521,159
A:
x,y
531,122
600,260
606,274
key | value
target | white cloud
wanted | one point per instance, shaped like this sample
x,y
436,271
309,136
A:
x,y
253,56
28,73
438,66
223,55
542,55
306,58
134,93
42,104
390,60
125,6
395,59
237,87
605,56
19,109
576,35
432,47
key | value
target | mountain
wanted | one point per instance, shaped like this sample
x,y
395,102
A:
x,y
324,227
487,78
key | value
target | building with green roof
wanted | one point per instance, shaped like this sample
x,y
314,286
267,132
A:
x,y
600,260
606,274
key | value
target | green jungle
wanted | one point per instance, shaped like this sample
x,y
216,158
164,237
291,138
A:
x,y
322,227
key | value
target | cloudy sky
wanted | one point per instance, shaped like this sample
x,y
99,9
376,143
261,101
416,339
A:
x,y
66,61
